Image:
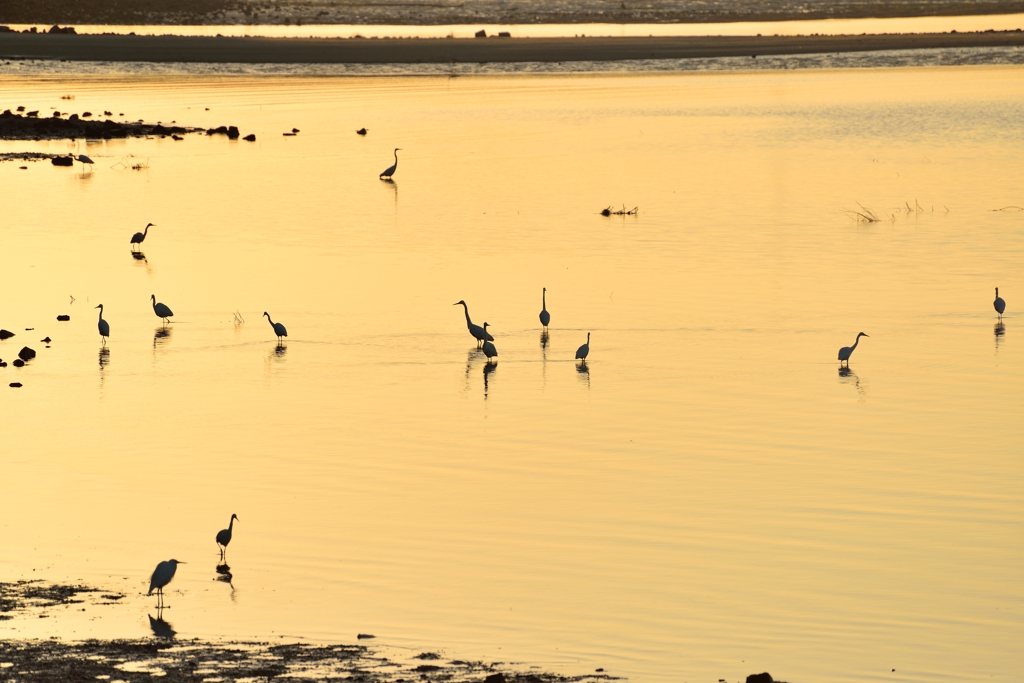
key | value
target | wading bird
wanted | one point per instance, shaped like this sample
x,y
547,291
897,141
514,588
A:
x,y
386,175
85,160
847,351
138,237
162,576
103,325
545,317
999,304
584,351
489,349
280,332
161,309
479,333
224,536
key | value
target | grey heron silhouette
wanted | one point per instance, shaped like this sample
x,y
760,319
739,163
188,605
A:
x,y
162,576
488,347
103,325
162,310
390,170
279,329
139,237
545,317
847,351
999,304
224,535
584,351
480,334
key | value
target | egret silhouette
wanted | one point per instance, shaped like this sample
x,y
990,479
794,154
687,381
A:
x,y
545,317
161,310
391,169
584,351
847,351
224,535
278,328
103,325
489,349
999,304
84,160
162,576
480,334
138,237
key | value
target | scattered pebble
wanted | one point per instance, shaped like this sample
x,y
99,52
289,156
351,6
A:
x,y
18,363
361,131
250,137
15,384
63,318
6,334
363,636
47,340
26,353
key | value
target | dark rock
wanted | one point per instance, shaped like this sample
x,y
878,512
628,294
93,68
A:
x,y
6,29
18,363
62,161
760,678
46,341
251,137
427,668
56,114
3,364
361,131
606,212
6,334
295,130
15,384
495,678
26,353
364,636
73,117
21,108
233,132
86,114
504,34
107,113
178,138
63,318
481,34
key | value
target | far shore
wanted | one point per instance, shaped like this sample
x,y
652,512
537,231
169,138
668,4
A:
x,y
255,50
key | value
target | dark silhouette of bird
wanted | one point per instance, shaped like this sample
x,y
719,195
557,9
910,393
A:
x,y
103,325
999,304
480,334
279,329
545,317
224,535
138,237
847,351
584,351
162,576
162,310
390,171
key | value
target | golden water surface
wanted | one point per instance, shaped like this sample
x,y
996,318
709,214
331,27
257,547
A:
x,y
710,497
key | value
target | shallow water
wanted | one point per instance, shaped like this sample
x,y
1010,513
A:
x,y
711,498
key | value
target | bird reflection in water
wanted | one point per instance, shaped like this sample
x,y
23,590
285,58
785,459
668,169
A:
x,y
999,331
224,575
848,376
583,372
280,350
544,339
141,261
474,356
161,336
161,628
488,369
104,356
138,256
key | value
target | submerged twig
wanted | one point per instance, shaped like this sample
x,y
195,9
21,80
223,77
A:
x,y
620,212
865,215
1010,208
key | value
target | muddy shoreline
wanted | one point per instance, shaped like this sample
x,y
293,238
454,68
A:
x,y
253,50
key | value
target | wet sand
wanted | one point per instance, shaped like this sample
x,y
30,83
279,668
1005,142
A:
x,y
253,50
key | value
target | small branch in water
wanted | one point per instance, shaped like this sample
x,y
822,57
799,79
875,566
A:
x,y
865,215
621,212
1010,208
239,320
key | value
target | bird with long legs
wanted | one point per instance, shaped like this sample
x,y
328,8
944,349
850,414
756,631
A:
x,y
279,329
390,170
545,317
999,304
224,536
584,351
488,347
847,351
162,576
480,334
103,325
81,158
139,237
163,311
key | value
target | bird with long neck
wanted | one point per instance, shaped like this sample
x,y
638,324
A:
x,y
584,351
224,535
162,576
390,171
279,329
480,334
489,350
999,304
103,325
162,310
847,351
545,317
138,237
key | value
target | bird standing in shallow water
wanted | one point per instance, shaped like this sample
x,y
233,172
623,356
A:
x,y
390,171
162,310
278,330
480,334
138,237
545,317
489,350
224,535
999,304
847,351
103,325
584,351
162,576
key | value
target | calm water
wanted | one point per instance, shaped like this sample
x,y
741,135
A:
x,y
711,499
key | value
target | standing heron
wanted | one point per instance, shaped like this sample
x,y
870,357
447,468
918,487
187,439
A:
x,y
847,351
280,332
489,349
545,317
103,325
386,175
999,304
584,351
162,576
224,535
161,310
84,160
139,236
479,333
